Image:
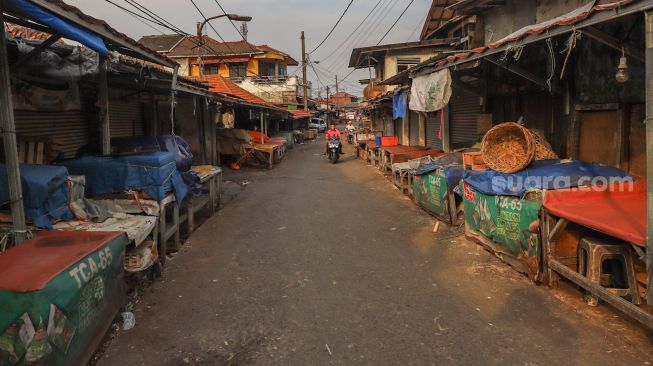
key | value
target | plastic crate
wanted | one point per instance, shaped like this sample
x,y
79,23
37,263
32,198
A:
x,y
389,141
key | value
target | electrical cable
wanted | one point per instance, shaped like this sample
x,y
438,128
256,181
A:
x,y
333,28
395,23
235,27
352,32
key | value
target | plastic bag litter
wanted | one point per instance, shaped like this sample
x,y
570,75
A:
x,y
128,320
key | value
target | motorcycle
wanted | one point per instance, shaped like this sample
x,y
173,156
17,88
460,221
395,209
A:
x,y
350,138
334,150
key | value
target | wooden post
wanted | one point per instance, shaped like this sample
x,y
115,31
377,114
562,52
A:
x,y
446,138
214,115
105,124
8,130
649,154
262,126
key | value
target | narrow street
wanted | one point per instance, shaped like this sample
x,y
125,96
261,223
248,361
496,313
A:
x,y
315,264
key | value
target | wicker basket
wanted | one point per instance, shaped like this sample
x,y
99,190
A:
x,y
508,148
543,149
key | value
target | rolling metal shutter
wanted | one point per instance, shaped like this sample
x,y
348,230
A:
x,y
389,129
432,129
71,128
465,108
414,128
399,131
126,118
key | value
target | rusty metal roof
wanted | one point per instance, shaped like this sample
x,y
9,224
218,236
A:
x,y
361,56
439,14
114,39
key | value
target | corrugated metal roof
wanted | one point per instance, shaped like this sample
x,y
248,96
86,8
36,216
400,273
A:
x,y
162,43
100,27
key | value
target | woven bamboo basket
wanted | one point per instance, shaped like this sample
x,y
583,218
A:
x,y
543,149
508,148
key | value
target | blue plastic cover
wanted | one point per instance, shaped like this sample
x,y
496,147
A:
x,y
155,173
67,29
545,174
45,193
451,164
399,105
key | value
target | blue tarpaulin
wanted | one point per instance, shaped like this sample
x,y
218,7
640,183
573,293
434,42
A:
x,y
66,28
451,165
399,105
154,173
45,193
545,174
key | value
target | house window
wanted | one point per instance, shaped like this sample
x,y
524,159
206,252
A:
x,y
404,64
210,69
237,71
283,70
266,69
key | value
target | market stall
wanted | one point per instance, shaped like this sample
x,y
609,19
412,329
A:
x,y
60,292
433,188
502,210
609,219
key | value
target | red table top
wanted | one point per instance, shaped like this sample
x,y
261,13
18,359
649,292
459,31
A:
x,y
419,154
618,214
30,265
401,149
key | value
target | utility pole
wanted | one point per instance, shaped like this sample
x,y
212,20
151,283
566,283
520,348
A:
x,y
200,40
337,102
327,100
304,81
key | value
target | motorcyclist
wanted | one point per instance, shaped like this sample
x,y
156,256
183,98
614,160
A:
x,y
350,128
331,133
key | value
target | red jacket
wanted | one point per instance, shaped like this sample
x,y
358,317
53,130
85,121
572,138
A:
x,y
332,133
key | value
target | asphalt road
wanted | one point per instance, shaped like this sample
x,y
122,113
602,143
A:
x,y
319,264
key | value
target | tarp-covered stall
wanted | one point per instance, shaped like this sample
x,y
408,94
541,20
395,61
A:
x,y
59,292
434,184
502,211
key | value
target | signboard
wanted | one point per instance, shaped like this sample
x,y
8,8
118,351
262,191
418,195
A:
x,y
431,193
62,323
510,223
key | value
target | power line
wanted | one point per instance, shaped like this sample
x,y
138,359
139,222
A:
x,y
352,32
334,27
396,21
235,27
417,27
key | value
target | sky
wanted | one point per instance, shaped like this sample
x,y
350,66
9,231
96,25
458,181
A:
x,y
278,23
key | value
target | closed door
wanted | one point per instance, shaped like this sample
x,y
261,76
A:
x,y
600,137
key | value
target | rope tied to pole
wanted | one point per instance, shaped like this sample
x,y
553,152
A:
x,y
570,44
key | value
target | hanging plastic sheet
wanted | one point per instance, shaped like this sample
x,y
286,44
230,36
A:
x,y
66,28
399,105
545,174
432,92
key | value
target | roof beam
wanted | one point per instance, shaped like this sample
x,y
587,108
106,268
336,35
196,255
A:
x,y
526,75
614,43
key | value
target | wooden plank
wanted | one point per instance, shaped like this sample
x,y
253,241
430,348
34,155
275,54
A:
x,y
40,147
30,152
604,294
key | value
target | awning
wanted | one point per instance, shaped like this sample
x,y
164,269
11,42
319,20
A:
x,y
582,17
300,114
67,29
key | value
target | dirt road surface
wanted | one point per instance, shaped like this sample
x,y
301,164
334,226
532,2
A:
x,y
319,264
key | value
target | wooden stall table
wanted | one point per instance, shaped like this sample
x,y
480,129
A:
x,y
371,153
361,148
211,179
386,152
169,229
615,213
268,152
